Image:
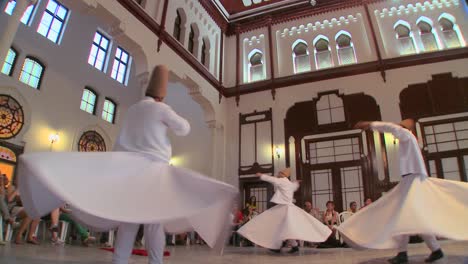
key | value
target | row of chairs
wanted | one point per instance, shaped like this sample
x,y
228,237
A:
x,y
63,234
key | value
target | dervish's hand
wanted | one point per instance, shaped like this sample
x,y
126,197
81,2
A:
x,y
364,125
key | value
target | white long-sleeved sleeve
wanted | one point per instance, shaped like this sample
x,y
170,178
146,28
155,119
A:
x,y
176,123
399,132
270,179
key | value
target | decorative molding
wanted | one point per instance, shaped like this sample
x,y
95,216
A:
x,y
350,70
334,22
416,8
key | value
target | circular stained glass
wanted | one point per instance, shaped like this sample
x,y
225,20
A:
x,y
91,141
11,117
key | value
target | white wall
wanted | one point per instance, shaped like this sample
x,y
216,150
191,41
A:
x,y
55,107
386,95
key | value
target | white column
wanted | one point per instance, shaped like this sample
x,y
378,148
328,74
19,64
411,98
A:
x,y
217,168
12,24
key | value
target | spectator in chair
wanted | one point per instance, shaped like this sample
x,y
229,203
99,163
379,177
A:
x,y
352,207
311,210
17,210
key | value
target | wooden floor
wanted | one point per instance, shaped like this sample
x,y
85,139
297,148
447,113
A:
x,y
456,253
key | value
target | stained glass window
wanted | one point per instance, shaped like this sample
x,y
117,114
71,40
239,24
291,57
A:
x,y
11,117
7,154
91,141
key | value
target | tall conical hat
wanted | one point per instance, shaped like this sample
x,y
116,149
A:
x,y
408,124
157,86
286,172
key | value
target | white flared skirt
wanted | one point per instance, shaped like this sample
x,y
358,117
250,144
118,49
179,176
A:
x,y
417,205
109,188
283,222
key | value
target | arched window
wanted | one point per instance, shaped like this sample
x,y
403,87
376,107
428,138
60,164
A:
x,y
177,26
330,109
108,111
301,56
91,141
405,38
9,62
32,72
121,67
193,40
256,66
26,18
345,48
451,34
88,101
428,38
323,58
205,53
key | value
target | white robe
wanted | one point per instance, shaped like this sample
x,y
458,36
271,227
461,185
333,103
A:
x,y
134,185
417,205
284,221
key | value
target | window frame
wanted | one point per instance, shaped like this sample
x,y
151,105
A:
x,y
120,63
36,60
99,47
15,59
177,26
89,89
54,16
107,99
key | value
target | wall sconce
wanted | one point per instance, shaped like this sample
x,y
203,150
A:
x,y
278,152
52,139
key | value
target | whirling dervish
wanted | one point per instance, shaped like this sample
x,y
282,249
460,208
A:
x,y
285,221
134,185
403,211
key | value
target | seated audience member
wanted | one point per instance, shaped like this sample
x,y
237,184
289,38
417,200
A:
x,y
311,210
366,203
3,199
330,217
63,214
17,210
237,221
352,207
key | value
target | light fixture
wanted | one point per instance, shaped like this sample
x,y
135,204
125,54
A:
x,y
278,152
313,2
53,138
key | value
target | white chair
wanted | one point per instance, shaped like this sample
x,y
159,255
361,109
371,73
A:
x,y
9,233
64,230
344,216
1,228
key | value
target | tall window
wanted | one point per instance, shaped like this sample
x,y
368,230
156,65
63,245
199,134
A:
x,y
450,31
99,48
120,68
9,62
301,57
256,66
191,41
330,109
323,58
26,18
32,72
428,38
177,26
344,45
53,21
88,101
405,38
108,112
